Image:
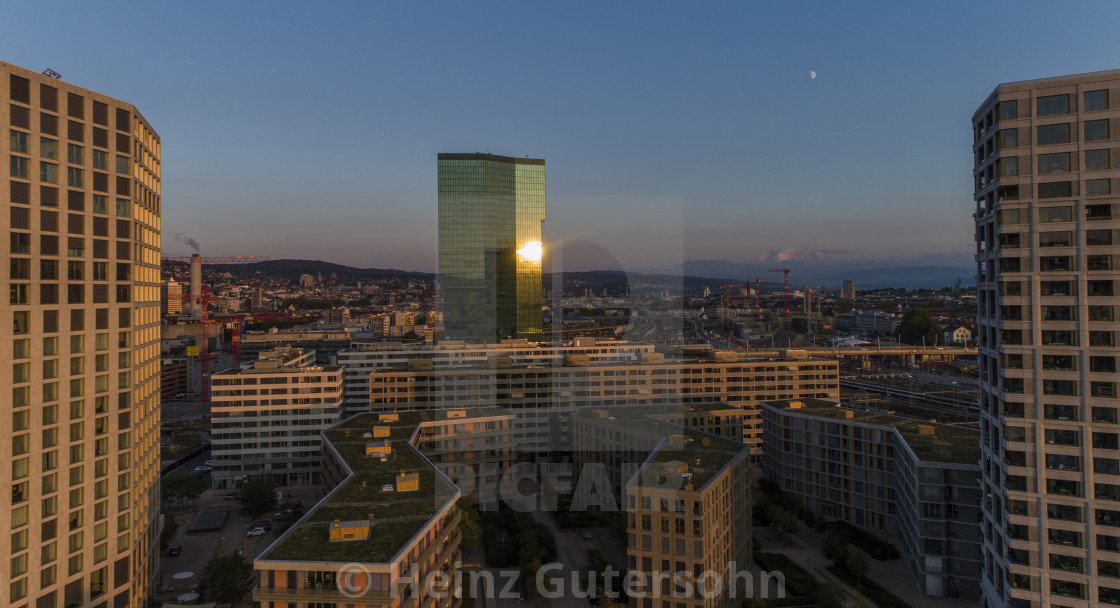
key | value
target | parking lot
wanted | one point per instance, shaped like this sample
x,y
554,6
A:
x,y
180,575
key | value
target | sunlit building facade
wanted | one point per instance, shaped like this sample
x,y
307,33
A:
x,y
1046,180
79,342
490,214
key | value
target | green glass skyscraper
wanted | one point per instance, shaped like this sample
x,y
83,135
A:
x,y
490,213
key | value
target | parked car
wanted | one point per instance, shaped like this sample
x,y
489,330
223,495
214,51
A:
x,y
256,532
201,470
174,551
233,496
263,524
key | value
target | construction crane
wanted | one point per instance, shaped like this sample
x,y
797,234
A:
x,y
727,306
786,272
228,259
758,289
199,297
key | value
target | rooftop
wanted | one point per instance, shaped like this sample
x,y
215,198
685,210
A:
x,y
395,516
930,441
704,453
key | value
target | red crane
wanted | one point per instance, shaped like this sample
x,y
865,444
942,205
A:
x,y
786,272
228,259
205,321
758,290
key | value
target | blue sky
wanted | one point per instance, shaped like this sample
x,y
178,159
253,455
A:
x,y
671,131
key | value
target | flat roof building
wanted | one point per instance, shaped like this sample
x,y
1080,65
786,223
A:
x,y
266,418
543,397
913,479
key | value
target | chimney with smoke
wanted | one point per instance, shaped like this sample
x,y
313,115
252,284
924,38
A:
x,y
196,285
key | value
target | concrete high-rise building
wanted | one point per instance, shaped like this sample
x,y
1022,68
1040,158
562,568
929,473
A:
x,y
172,298
1046,221
490,248
849,291
80,338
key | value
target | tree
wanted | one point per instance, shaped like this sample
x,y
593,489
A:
x,y
181,486
468,524
226,578
918,325
170,527
857,564
789,525
835,546
829,595
257,496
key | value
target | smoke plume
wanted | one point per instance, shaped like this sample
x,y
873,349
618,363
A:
x,y
182,238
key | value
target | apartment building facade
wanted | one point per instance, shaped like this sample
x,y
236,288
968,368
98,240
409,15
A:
x,y
267,418
543,397
908,478
361,359
80,191
685,496
1045,170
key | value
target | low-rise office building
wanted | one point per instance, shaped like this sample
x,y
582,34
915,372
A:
x,y
913,479
267,418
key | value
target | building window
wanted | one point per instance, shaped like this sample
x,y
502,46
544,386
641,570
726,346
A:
x,y
1055,263
1053,134
48,172
1055,190
1008,166
1095,130
48,148
1008,110
75,177
1096,160
1100,288
1097,187
19,142
1008,138
1096,100
1053,163
122,165
1062,238
75,155
1098,237
100,160
19,167
1052,105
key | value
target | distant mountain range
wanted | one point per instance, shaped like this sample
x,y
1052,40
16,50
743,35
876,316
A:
x,y
867,275
696,275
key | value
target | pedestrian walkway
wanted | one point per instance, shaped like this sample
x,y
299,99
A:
x,y
803,551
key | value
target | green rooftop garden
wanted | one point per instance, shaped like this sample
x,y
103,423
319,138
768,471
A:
x,y
396,516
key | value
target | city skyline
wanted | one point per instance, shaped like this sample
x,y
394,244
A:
x,y
701,129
